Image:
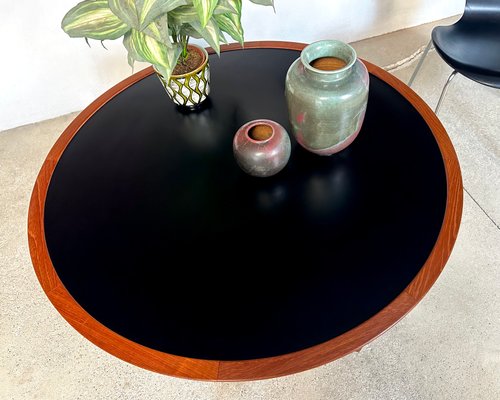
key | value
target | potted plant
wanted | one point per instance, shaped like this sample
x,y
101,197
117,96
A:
x,y
158,32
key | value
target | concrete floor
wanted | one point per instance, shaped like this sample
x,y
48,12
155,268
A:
x,y
448,347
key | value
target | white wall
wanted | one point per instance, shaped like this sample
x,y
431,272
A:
x,y
44,73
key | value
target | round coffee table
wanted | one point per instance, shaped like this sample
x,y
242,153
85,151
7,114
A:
x,y
155,246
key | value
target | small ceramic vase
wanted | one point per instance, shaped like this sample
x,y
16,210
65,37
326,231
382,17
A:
x,y
191,89
261,147
327,93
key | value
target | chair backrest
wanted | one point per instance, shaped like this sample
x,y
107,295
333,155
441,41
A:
x,y
482,8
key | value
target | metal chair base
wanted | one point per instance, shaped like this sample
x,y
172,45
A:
x,y
445,89
429,46
419,65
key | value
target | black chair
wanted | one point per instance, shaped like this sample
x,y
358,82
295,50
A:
x,y
471,46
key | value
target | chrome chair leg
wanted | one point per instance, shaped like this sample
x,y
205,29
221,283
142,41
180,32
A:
x,y
445,89
429,46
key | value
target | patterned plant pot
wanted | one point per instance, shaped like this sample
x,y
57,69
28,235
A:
x,y
191,89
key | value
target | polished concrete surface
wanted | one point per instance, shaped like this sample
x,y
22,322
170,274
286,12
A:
x,y
448,347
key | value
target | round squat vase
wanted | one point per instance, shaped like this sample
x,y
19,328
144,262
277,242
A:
x,y
261,147
326,91
189,90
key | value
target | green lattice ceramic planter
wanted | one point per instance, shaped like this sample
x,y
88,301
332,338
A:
x,y
191,89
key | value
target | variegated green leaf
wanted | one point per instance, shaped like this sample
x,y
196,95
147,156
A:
x,y
142,47
183,15
139,14
153,30
188,30
158,29
173,55
264,2
205,9
131,60
132,47
93,19
223,38
231,24
126,11
228,6
211,33
148,10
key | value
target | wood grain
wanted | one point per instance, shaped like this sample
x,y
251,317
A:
x,y
184,367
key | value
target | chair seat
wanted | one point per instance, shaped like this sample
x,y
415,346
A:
x,y
472,48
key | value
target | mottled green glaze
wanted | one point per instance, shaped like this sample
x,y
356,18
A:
x,y
326,108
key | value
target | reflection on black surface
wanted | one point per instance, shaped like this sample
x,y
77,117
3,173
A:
x,y
271,198
327,194
145,199
206,126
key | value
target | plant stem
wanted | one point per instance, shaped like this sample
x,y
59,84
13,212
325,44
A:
x,y
184,39
175,35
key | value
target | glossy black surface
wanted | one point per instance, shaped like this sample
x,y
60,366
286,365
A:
x,y
472,45
157,233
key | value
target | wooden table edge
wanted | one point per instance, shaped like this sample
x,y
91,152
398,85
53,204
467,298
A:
x,y
263,368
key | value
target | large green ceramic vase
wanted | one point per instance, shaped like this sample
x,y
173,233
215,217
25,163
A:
x,y
327,107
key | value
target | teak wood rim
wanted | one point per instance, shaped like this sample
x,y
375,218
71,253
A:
x,y
320,354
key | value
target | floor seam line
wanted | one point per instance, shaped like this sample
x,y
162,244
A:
x,y
407,61
482,209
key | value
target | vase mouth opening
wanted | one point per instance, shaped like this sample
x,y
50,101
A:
x,y
260,132
344,54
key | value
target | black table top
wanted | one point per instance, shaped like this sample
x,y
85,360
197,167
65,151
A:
x,y
157,234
